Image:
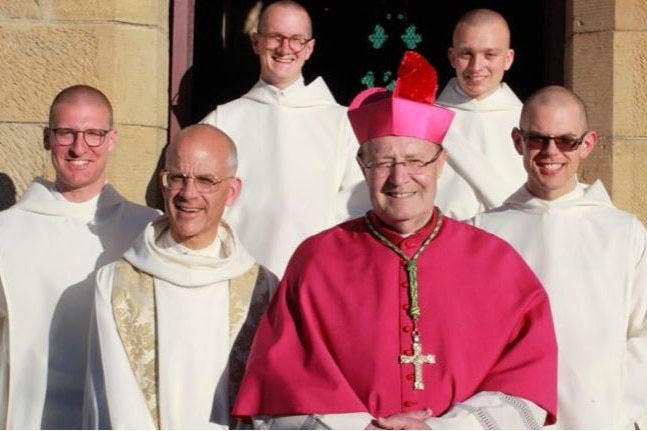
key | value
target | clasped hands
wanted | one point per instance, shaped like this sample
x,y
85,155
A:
x,y
413,420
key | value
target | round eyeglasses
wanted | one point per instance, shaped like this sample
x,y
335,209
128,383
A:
x,y
413,166
274,40
64,136
175,181
565,143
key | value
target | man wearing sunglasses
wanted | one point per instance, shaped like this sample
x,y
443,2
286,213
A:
x,y
294,142
51,243
591,258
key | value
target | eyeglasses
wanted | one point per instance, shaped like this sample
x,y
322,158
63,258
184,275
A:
x,y
274,40
177,181
535,141
92,137
413,166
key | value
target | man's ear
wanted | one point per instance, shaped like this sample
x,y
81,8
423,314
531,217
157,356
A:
x,y
588,144
450,56
235,186
254,38
309,48
46,144
358,159
111,140
441,163
517,140
509,59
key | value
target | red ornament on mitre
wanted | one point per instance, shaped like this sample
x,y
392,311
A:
x,y
407,111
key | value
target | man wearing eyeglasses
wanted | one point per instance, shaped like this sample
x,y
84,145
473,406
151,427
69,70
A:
x,y
174,318
482,169
51,243
591,258
294,142
404,318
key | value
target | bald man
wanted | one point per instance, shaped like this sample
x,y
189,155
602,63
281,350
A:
x,y
295,142
482,167
51,242
590,257
174,317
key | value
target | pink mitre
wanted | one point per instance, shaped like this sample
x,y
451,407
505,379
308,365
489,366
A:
x,y
407,111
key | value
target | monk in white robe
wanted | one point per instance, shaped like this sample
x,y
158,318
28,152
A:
x,y
175,317
590,257
297,150
51,242
482,167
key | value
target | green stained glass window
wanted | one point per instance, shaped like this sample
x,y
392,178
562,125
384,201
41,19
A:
x,y
389,37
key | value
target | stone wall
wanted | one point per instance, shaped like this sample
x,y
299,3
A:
x,y
606,60
118,46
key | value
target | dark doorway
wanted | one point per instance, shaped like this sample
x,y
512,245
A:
x,y
224,66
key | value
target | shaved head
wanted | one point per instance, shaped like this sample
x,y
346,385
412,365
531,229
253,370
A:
x,y
554,96
482,17
80,93
205,135
286,4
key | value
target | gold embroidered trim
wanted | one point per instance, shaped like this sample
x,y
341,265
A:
x,y
133,302
249,296
133,305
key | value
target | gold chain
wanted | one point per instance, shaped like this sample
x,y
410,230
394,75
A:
x,y
412,269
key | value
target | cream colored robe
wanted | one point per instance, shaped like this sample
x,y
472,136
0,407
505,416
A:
x,y
296,154
160,348
482,167
591,259
49,250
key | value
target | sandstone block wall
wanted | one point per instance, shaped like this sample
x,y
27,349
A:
x,y
118,46
607,67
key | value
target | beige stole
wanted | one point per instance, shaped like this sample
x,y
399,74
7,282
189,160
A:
x,y
133,304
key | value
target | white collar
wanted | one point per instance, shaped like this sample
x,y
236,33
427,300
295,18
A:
x,y
299,83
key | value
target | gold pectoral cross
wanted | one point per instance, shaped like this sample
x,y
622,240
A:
x,y
418,360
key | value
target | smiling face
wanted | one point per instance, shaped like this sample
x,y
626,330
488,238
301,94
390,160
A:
x,y
282,65
553,111
199,151
481,53
402,200
80,169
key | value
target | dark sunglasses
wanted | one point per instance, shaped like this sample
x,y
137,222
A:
x,y
535,141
